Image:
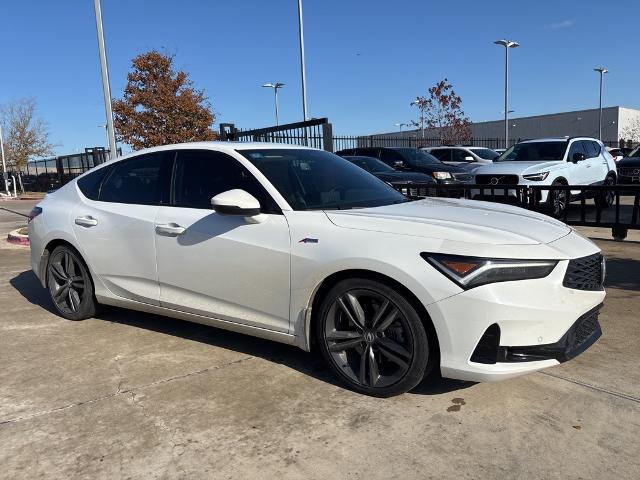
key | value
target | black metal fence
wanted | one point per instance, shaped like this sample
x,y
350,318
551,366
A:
x,y
49,173
316,133
586,205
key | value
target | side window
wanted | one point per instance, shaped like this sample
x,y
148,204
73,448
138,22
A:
x,y
459,155
203,174
576,147
390,156
593,148
90,183
442,154
142,180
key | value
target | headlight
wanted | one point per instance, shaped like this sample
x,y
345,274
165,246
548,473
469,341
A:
x,y
470,272
536,177
441,175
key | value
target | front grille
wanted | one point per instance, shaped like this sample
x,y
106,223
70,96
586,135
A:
x,y
497,179
629,171
585,273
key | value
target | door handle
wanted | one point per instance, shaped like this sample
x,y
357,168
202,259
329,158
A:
x,y
170,230
86,221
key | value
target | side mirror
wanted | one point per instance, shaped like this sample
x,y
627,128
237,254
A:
x,y
469,158
578,157
236,202
398,164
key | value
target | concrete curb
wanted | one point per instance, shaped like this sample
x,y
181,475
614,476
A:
x,y
17,238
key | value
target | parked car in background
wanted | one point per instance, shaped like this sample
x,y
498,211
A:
x,y
302,247
616,153
388,174
413,160
629,168
465,157
553,161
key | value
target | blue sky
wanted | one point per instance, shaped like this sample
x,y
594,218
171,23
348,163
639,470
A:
x,y
366,60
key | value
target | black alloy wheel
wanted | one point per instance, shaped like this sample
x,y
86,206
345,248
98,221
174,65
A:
x,y
558,200
70,285
606,198
372,338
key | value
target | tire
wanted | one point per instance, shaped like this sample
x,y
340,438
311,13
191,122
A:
x,y
372,338
70,285
557,201
606,199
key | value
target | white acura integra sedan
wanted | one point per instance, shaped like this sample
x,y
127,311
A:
x,y
302,247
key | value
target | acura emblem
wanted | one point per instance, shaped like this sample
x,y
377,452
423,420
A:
x,y
494,180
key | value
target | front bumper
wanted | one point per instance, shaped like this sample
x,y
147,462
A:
x,y
537,320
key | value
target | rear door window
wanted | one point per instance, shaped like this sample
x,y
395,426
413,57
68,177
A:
x,y
142,180
442,154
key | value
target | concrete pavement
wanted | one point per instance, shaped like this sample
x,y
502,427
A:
x,y
132,395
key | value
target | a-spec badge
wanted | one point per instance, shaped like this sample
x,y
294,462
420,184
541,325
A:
x,y
309,240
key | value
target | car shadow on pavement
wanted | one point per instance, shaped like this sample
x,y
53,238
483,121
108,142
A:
x,y
310,364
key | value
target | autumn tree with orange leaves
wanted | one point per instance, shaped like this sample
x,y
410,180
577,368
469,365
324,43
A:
x,y
160,106
442,112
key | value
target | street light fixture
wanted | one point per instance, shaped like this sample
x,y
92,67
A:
x,y
275,87
507,44
601,71
400,125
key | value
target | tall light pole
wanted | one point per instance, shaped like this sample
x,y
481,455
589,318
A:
x,y
4,164
106,87
602,71
419,105
303,74
275,87
400,125
507,44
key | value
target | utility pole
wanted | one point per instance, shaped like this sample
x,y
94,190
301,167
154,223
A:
x,y
507,44
106,87
4,164
602,71
303,74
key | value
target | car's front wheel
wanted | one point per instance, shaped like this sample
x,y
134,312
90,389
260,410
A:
x,y
372,338
558,200
70,285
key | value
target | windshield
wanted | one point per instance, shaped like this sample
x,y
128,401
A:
x,y
318,180
417,158
534,151
485,153
635,152
371,164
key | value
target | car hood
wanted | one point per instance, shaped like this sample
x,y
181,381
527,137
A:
x,y
407,177
629,162
518,167
456,220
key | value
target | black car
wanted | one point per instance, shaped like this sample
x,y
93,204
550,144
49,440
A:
x,y
388,174
412,160
629,168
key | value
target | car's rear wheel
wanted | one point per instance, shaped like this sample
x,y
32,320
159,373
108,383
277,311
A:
x,y
70,285
606,198
558,200
372,338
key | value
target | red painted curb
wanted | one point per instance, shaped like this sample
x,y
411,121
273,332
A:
x,y
17,239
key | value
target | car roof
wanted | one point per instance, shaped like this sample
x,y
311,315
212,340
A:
x,y
228,147
557,139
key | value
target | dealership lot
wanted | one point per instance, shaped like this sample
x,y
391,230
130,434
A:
x,y
134,395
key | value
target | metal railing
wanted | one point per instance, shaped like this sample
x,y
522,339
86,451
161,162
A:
x,y
585,204
316,133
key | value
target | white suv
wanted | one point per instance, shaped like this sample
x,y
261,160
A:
x,y
553,161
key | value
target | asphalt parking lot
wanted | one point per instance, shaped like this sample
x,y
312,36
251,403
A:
x,y
132,395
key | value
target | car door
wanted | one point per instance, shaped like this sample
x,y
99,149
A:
x,y
222,266
598,167
115,227
578,173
